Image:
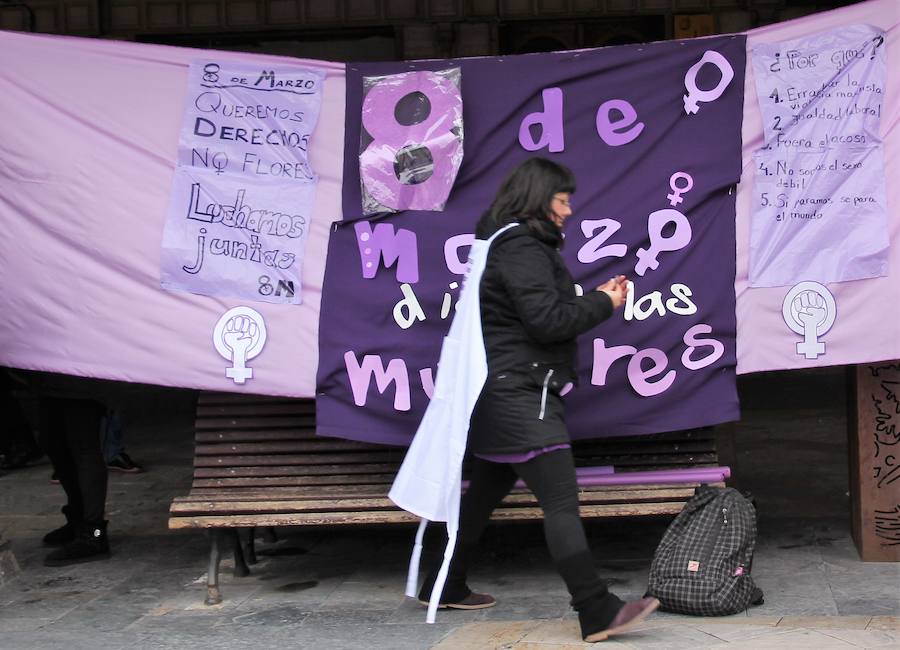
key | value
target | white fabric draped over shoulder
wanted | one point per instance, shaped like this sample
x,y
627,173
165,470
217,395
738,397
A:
x,y
430,478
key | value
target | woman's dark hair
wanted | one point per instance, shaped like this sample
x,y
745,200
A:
x,y
525,196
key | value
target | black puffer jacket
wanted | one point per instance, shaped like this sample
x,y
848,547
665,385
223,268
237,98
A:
x,y
530,318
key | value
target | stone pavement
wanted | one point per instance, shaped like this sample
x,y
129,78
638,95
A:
x,y
343,588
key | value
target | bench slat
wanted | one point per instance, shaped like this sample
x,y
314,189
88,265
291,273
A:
x,y
646,461
287,481
270,506
256,449
352,491
285,463
253,422
241,454
287,493
402,517
238,409
293,435
658,447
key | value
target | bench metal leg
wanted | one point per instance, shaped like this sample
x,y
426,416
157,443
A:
x,y
248,544
213,595
241,570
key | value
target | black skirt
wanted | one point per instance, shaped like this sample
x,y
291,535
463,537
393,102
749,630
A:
x,y
518,412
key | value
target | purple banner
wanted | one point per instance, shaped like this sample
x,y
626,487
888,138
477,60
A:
x,y
653,134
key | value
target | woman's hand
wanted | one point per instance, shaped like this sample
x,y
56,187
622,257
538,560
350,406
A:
x,y
617,290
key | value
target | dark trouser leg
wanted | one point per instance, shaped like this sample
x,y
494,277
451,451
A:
x,y
551,478
82,424
489,483
54,442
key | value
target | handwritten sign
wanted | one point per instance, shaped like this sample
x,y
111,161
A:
x,y
243,190
819,199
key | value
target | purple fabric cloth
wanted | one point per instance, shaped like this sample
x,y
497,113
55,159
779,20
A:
x,y
649,153
521,458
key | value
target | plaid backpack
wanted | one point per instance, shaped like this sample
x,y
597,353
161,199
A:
x,y
702,565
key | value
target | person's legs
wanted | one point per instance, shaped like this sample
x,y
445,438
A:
x,y
54,442
551,478
489,483
82,425
75,435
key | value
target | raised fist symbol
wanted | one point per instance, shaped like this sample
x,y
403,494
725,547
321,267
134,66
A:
x,y
810,308
239,334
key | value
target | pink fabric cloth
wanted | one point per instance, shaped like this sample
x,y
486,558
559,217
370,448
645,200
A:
x,y
87,150
865,329
88,144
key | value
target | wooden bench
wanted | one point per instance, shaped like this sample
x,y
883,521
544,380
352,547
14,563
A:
x,y
259,463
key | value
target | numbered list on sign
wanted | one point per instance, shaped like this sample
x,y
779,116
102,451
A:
x,y
818,197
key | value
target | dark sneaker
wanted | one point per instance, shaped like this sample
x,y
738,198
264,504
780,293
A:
x,y
472,601
90,543
628,617
123,463
54,478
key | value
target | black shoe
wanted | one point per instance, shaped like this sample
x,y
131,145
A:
x,y
472,601
631,615
90,544
597,615
61,536
65,533
123,463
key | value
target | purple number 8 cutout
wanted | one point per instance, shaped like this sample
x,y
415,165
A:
x,y
376,163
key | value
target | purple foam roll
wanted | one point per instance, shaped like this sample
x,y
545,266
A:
x,y
606,475
689,475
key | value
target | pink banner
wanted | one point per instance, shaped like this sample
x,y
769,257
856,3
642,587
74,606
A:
x,y
88,147
811,322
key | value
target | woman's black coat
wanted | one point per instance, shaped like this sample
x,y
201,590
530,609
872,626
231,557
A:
x,y
530,318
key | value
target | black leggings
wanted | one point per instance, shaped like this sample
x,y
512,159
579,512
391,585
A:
x,y
551,478
70,436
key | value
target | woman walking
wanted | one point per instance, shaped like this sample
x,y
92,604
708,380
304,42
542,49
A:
x,y
530,318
